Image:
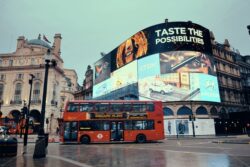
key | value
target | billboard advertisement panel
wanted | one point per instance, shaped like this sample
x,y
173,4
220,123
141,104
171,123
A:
x,y
187,61
184,76
149,66
179,87
102,88
102,69
124,76
184,127
160,38
208,85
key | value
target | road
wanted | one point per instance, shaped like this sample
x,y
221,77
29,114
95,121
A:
x,y
166,153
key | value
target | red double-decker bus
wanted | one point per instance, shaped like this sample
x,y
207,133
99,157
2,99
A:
x,y
107,121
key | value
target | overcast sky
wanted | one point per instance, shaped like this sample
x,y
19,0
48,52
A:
x,y
89,27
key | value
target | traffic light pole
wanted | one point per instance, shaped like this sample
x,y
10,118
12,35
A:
x,y
193,125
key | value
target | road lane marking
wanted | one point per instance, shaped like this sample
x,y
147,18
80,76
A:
x,y
69,161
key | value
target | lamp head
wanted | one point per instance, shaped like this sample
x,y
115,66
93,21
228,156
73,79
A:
x,y
248,27
32,76
48,56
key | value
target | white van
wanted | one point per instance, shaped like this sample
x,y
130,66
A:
x,y
161,87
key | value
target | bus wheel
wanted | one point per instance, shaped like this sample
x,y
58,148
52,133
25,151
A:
x,y
85,139
141,138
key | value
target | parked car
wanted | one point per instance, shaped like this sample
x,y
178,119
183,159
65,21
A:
x,y
161,87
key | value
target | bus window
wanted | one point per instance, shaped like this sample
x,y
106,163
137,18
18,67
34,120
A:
x,y
106,125
116,107
86,107
139,107
150,106
102,107
84,125
138,125
128,125
127,107
149,124
94,125
72,107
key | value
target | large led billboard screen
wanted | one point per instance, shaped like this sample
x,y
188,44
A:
x,y
169,61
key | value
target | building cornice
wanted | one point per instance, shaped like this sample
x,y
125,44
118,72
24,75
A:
x,y
31,67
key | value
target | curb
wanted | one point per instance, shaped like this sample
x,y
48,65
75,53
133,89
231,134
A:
x,y
231,142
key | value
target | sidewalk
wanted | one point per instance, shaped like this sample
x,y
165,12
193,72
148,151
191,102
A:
x,y
232,139
182,137
240,139
32,138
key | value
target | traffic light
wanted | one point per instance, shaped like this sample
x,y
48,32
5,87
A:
x,y
24,112
191,117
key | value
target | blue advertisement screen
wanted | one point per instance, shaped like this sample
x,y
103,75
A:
x,y
102,88
149,66
208,85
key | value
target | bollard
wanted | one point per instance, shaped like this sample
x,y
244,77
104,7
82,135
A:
x,y
8,147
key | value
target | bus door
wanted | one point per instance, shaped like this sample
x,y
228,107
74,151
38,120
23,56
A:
x,y
116,131
70,131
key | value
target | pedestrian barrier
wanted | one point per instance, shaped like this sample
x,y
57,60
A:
x,y
8,146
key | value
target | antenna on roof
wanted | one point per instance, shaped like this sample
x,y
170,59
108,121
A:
x,y
166,20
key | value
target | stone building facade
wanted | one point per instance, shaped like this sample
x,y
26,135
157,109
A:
x,y
15,70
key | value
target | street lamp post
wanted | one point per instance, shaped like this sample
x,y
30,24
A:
x,y
192,118
0,108
40,142
27,115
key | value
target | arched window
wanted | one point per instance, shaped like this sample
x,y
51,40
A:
x,y
184,111
1,91
167,111
213,111
18,92
201,111
222,110
36,92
